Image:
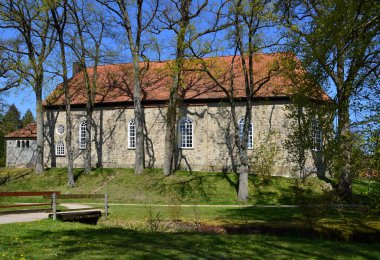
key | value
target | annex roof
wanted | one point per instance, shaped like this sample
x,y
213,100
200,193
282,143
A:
x,y
115,82
29,131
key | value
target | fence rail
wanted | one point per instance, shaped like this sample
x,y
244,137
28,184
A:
x,y
24,205
80,196
54,196
27,193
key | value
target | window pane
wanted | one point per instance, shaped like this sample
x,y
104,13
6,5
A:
x,y
250,133
132,134
186,133
82,135
316,135
60,148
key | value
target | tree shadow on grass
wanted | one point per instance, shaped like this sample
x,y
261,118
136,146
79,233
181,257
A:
x,y
253,213
111,242
292,221
77,174
14,176
193,186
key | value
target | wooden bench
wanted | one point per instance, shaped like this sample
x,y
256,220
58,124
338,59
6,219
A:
x,y
87,216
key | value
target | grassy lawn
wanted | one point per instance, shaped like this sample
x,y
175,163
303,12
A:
x,y
154,231
56,240
184,187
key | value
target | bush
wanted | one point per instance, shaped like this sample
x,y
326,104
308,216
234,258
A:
x,y
263,159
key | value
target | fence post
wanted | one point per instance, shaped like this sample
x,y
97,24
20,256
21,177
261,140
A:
x,y
54,205
106,205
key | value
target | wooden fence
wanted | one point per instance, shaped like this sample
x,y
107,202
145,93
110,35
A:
x,y
54,196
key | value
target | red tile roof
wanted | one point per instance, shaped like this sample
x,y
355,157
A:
x,y
115,82
29,131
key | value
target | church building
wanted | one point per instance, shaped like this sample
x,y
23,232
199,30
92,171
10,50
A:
x,y
205,127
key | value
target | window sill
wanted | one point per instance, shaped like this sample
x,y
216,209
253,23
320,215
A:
x,y
186,148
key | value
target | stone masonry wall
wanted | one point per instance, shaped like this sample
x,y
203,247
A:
x,y
213,145
21,156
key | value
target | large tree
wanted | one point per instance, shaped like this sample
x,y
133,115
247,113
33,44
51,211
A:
x,y
85,42
11,120
59,12
338,41
247,20
135,17
181,18
27,23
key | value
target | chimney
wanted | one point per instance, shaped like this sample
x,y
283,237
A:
x,y
77,67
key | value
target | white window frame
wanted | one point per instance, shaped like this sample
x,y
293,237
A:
x,y
60,149
181,145
250,133
132,136
316,135
82,135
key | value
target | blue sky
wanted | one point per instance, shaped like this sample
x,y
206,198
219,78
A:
x,y
23,99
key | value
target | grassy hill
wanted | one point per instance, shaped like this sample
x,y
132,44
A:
x,y
124,186
289,227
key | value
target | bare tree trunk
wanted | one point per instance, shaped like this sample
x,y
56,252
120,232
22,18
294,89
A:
x,y
344,155
344,147
59,25
171,119
243,183
81,24
87,161
40,131
69,148
139,151
173,101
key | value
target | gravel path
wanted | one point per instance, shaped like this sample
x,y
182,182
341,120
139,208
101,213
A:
x,y
23,217
28,217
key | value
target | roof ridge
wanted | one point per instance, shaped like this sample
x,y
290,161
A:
x,y
167,60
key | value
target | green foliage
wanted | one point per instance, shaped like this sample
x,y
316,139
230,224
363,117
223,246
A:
x,y
2,150
264,157
11,120
338,43
27,118
154,220
374,194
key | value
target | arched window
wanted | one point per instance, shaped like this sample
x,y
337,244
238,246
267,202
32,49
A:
x,y
60,148
27,143
250,133
23,144
18,143
82,135
316,135
132,134
186,133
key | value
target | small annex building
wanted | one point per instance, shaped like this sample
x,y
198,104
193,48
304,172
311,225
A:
x,y
204,128
21,147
